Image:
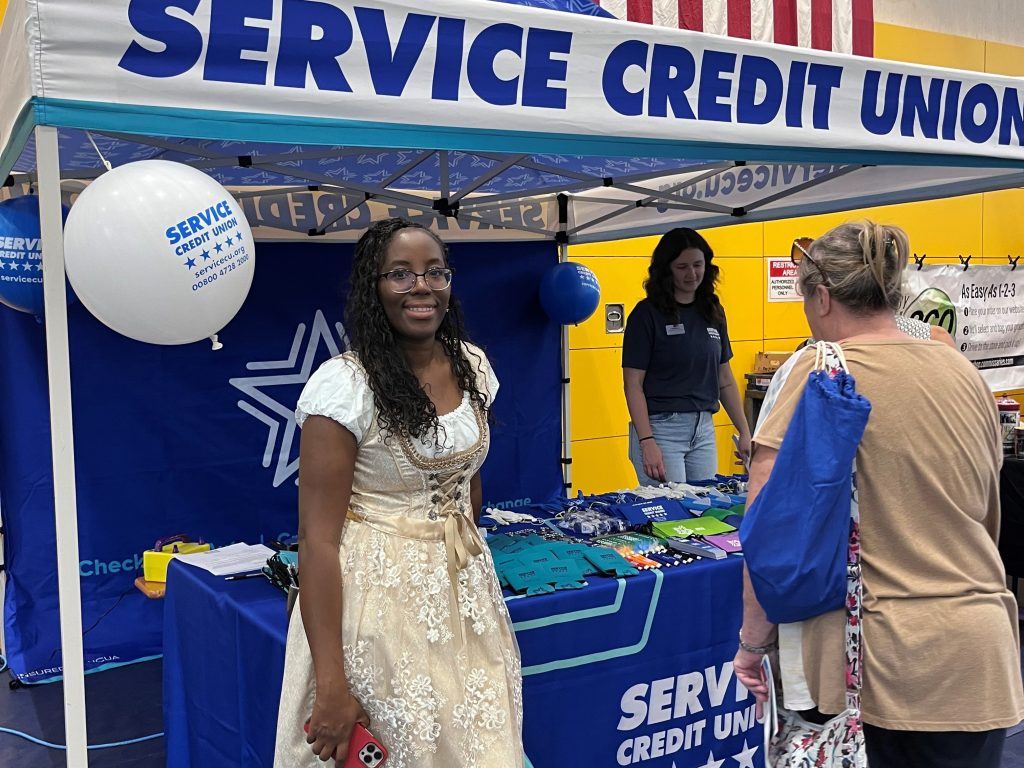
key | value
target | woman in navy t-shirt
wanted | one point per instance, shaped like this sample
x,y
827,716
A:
x,y
675,366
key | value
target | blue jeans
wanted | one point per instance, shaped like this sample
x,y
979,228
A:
x,y
687,442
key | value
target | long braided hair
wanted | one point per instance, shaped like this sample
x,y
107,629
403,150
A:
x,y
404,409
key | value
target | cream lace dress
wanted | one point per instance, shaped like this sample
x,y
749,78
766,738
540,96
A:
x,y
428,645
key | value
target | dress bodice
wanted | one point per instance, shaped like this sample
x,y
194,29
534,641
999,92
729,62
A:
x,y
394,476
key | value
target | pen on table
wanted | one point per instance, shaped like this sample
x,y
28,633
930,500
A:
x,y
239,576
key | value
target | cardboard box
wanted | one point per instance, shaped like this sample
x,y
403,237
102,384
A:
x,y
769,362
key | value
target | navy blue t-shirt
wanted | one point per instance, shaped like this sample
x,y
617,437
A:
x,y
680,355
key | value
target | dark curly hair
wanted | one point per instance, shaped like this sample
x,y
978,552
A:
x,y
660,288
403,407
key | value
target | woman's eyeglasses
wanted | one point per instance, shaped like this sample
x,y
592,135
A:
x,y
802,250
404,280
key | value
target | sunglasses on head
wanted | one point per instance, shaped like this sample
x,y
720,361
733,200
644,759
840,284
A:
x,y
801,250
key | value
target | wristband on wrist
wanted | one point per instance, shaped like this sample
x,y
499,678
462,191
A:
x,y
760,650
649,437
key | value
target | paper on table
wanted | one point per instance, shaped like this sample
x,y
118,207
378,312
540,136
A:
x,y
235,558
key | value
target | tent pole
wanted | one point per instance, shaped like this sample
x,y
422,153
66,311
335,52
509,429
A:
x,y
62,442
563,255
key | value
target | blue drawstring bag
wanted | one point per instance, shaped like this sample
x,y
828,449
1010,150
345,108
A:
x,y
796,533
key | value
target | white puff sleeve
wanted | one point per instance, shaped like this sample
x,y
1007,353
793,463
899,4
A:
x,y
486,379
339,390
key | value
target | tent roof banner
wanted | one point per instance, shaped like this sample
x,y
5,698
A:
x,y
478,116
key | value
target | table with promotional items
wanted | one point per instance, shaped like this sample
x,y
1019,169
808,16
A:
x,y
630,671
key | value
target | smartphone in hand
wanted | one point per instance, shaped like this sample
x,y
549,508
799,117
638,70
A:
x,y
364,750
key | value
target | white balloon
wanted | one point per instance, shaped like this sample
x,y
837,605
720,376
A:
x,y
159,252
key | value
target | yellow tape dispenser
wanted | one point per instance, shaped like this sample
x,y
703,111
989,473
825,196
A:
x,y
155,560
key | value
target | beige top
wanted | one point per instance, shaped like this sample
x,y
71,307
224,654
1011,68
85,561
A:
x,y
940,628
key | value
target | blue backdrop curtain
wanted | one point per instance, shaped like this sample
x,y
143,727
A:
x,y
185,439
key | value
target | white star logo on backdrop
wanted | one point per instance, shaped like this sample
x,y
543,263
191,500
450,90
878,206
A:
x,y
711,763
745,757
294,370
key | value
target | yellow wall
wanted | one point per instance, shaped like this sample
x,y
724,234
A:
x,y
988,226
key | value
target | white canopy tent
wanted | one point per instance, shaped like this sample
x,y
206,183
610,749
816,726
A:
x,y
493,121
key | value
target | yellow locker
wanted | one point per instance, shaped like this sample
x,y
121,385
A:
x,y
601,466
783,345
596,398
741,280
935,227
738,240
1002,223
640,247
621,280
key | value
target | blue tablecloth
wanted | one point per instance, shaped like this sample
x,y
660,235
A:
x,y
625,672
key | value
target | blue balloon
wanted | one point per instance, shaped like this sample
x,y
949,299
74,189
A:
x,y
21,264
569,293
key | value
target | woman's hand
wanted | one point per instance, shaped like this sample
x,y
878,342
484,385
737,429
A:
x,y
335,713
654,462
743,446
750,672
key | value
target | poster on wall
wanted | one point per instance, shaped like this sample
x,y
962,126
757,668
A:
x,y
782,277
982,307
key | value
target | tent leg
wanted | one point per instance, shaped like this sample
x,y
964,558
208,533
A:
x,y
62,440
563,255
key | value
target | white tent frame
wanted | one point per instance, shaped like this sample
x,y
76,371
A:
x,y
615,197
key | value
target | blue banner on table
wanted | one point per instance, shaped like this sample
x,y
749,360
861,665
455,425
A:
x,y
646,663
623,672
184,439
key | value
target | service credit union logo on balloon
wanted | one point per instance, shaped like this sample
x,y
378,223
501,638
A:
x,y
209,243
159,252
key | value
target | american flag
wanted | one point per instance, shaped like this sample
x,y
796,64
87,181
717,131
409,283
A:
x,y
844,26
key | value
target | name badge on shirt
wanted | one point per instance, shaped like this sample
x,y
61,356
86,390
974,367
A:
x,y
675,330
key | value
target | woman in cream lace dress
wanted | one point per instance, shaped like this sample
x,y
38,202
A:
x,y
400,622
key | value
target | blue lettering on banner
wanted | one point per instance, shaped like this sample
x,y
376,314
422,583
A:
x,y
1012,117
673,70
714,86
483,80
88,568
182,43
880,122
978,114
756,71
299,19
632,53
920,109
315,36
230,37
950,111
795,94
825,78
760,86
451,34
321,45
981,96
541,47
390,69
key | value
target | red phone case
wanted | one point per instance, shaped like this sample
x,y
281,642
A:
x,y
364,751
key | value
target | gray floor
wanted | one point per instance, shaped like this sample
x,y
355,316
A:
x,y
125,703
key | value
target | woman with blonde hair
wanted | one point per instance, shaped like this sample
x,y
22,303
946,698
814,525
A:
x,y
941,672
